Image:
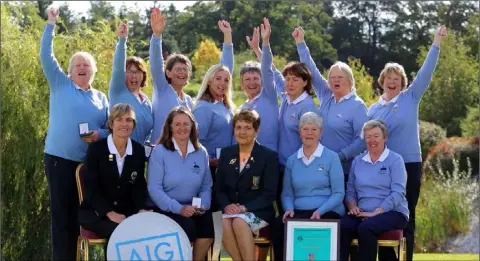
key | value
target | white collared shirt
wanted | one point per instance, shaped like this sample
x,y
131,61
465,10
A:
x,y
382,157
80,88
144,97
300,98
346,97
254,98
113,150
317,153
383,102
190,147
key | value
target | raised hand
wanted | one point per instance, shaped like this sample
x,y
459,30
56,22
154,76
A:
x,y
224,26
266,30
439,35
53,14
122,30
299,35
157,22
254,43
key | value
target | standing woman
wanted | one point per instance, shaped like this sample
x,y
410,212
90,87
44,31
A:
x,y
246,186
128,78
342,110
177,172
168,83
72,101
398,107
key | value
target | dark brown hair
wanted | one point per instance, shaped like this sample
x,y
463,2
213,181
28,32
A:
x,y
176,58
140,64
166,137
247,115
299,70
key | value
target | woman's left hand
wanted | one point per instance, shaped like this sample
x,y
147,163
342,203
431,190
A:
x,y
93,137
315,215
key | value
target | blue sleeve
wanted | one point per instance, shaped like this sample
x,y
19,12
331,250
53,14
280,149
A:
x,y
203,116
279,83
206,188
160,82
155,175
358,146
104,131
398,175
320,84
351,193
287,190
268,83
54,74
337,186
227,56
117,82
424,77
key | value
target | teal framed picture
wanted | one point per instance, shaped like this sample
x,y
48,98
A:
x,y
307,239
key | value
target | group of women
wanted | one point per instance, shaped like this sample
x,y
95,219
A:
x,y
340,161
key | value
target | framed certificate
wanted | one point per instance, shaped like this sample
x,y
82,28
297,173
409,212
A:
x,y
307,239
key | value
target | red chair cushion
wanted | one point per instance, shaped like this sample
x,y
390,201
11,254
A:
x,y
391,235
88,234
265,232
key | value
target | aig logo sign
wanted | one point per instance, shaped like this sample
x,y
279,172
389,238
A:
x,y
149,236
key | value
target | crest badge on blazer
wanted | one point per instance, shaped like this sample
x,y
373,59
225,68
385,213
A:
x,y
133,176
110,157
232,161
255,182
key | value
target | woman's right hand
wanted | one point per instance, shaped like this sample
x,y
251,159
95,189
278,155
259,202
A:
x,y
115,217
299,35
254,42
187,211
53,14
232,209
266,31
288,214
354,211
157,22
122,30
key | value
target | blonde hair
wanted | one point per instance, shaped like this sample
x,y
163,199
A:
x,y
345,68
118,111
395,68
204,92
89,58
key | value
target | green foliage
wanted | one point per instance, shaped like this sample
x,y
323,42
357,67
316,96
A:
x,y
469,125
363,81
454,86
207,55
430,135
447,201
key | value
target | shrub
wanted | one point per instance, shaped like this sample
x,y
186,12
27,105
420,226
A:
x,y
469,125
207,55
441,156
430,135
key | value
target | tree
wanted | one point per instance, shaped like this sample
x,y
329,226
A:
x,y
454,86
363,81
207,55
469,125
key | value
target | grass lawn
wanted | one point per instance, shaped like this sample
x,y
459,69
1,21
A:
x,y
431,257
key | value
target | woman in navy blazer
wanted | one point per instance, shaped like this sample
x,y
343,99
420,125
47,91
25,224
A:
x,y
246,186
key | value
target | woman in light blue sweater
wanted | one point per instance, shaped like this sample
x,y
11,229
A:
x,y
313,185
129,76
78,115
398,107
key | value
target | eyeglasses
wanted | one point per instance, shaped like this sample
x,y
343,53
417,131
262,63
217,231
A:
x,y
180,69
129,72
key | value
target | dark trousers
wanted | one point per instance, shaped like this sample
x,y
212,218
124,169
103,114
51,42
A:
x,y
414,178
62,189
367,232
278,231
197,226
278,199
213,204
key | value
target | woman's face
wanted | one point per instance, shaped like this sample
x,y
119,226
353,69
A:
x,y
375,140
392,84
181,127
133,78
339,82
179,74
244,132
251,84
122,126
219,85
294,86
310,134
82,74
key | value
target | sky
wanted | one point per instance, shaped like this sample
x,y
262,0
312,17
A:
x,y
81,7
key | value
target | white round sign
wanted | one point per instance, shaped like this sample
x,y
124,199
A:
x,y
149,236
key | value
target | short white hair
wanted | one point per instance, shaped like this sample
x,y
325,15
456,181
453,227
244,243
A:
x,y
374,124
86,56
310,117
345,68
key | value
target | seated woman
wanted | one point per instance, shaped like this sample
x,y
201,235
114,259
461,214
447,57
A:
x,y
313,185
113,191
375,194
246,186
178,171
